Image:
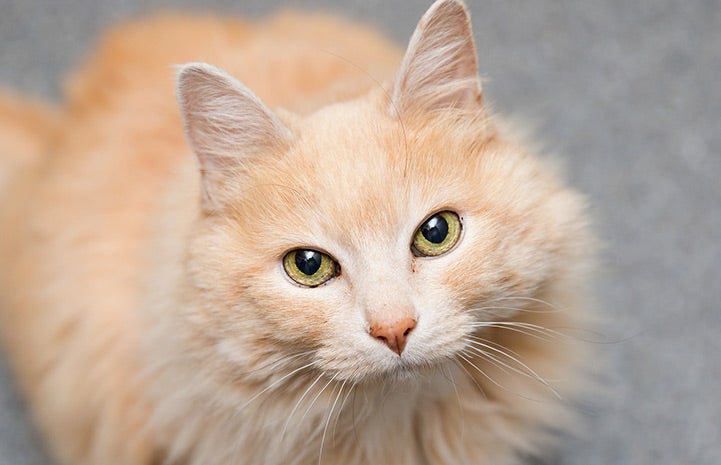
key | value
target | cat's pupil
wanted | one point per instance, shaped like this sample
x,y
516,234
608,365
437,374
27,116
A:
x,y
435,230
308,261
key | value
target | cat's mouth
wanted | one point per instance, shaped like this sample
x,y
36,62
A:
x,y
410,369
407,371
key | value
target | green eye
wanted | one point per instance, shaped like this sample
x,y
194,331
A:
x,y
309,267
437,235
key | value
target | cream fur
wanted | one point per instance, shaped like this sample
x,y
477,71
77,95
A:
x,y
145,309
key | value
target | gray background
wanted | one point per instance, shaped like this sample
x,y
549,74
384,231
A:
x,y
628,91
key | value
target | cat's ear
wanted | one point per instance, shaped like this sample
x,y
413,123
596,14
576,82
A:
x,y
226,126
439,69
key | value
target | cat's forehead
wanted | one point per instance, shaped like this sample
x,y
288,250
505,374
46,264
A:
x,y
358,175
351,161
352,172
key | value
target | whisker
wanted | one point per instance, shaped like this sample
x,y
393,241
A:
x,y
458,401
480,389
495,344
481,371
297,404
502,347
272,365
503,366
317,396
529,325
327,421
518,309
495,382
540,335
532,330
539,378
515,330
493,360
340,410
272,385
353,417
602,338
529,299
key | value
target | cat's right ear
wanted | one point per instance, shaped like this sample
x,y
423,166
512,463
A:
x,y
439,69
226,126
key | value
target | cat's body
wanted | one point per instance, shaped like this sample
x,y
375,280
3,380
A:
x,y
148,326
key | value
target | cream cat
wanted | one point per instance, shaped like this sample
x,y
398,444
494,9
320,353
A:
x,y
373,275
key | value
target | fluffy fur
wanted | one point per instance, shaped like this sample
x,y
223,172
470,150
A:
x,y
144,307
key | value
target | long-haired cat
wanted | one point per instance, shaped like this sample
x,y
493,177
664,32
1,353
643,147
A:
x,y
320,270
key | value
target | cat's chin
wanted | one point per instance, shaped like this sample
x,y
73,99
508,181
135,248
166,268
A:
x,y
408,372
399,371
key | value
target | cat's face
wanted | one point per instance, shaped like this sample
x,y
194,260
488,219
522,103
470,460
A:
x,y
357,185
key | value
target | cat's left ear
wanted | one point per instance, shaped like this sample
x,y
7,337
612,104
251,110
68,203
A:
x,y
440,68
227,126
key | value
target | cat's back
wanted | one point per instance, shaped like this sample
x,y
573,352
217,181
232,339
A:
x,y
294,60
78,221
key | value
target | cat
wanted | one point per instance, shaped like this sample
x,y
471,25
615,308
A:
x,y
365,273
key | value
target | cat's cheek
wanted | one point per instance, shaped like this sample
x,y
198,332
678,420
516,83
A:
x,y
439,285
296,315
441,329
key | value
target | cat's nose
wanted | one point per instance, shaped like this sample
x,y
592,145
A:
x,y
394,335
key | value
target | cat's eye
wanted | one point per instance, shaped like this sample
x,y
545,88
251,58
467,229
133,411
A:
x,y
437,235
309,267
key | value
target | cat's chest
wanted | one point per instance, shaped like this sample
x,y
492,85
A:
x,y
409,423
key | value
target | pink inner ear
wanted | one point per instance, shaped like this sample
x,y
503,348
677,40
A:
x,y
440,66
226,125
224,121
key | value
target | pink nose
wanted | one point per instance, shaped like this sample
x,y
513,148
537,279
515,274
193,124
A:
x,y
394,335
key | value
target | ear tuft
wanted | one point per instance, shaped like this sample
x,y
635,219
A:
x,y
439,69
226,125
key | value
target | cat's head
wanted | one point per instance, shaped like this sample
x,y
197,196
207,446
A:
x,y
371,237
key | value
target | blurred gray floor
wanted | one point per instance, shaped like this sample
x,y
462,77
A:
x,y
629,92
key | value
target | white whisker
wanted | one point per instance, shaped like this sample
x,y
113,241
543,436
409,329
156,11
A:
x,y
493,360
484,308
458,401
480,389
317,396
481,371
327,421
535,375
495,344
272,385
528,329
273,365
495,382
340,410
501,365
297,404
530,299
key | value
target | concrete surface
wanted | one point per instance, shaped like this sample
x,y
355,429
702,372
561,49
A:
x,y
629,92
